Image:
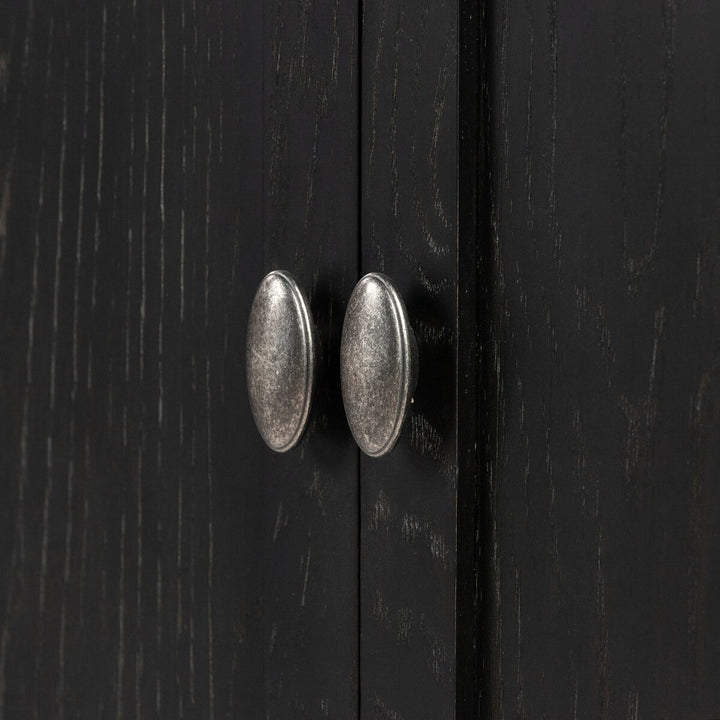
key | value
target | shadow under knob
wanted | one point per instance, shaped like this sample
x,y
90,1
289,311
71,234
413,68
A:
x,y
378,364
281,360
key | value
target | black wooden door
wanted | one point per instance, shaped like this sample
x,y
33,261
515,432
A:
x,y
541,181
416,620
157,159
601,356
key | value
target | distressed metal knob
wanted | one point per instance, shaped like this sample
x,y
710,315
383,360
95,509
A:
x,y
378,364
281,359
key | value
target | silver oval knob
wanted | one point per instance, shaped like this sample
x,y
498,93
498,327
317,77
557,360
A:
x,y
281,359
378,364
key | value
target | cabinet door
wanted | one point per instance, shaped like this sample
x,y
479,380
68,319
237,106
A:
x,y
420,593
603,360
541,181
156,159
310,495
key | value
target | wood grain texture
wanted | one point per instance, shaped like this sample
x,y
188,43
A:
x,y
156,160
540,180
601,355
409,231
311,229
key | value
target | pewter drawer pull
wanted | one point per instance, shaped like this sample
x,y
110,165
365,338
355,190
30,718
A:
x,y
378,364
281,359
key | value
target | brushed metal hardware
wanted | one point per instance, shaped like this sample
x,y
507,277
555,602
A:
x,y
378,364
281,360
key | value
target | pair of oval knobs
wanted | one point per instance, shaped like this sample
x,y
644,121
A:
x,y
378,362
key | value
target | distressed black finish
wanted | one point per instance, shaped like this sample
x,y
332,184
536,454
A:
x,y
601,356
540,181
130,204
310,228
155,160
409,232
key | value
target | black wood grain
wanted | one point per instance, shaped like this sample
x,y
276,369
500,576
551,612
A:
x,y
540,180
156,160
601,388
410,232
311,229
131,548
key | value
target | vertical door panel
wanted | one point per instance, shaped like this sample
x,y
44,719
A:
x,y
605,336
409,231
310,494
155,160
130,470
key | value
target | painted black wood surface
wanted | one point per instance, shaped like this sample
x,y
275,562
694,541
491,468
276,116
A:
x,y
310,530
541,182
601,360
156,159
129,173
409,231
